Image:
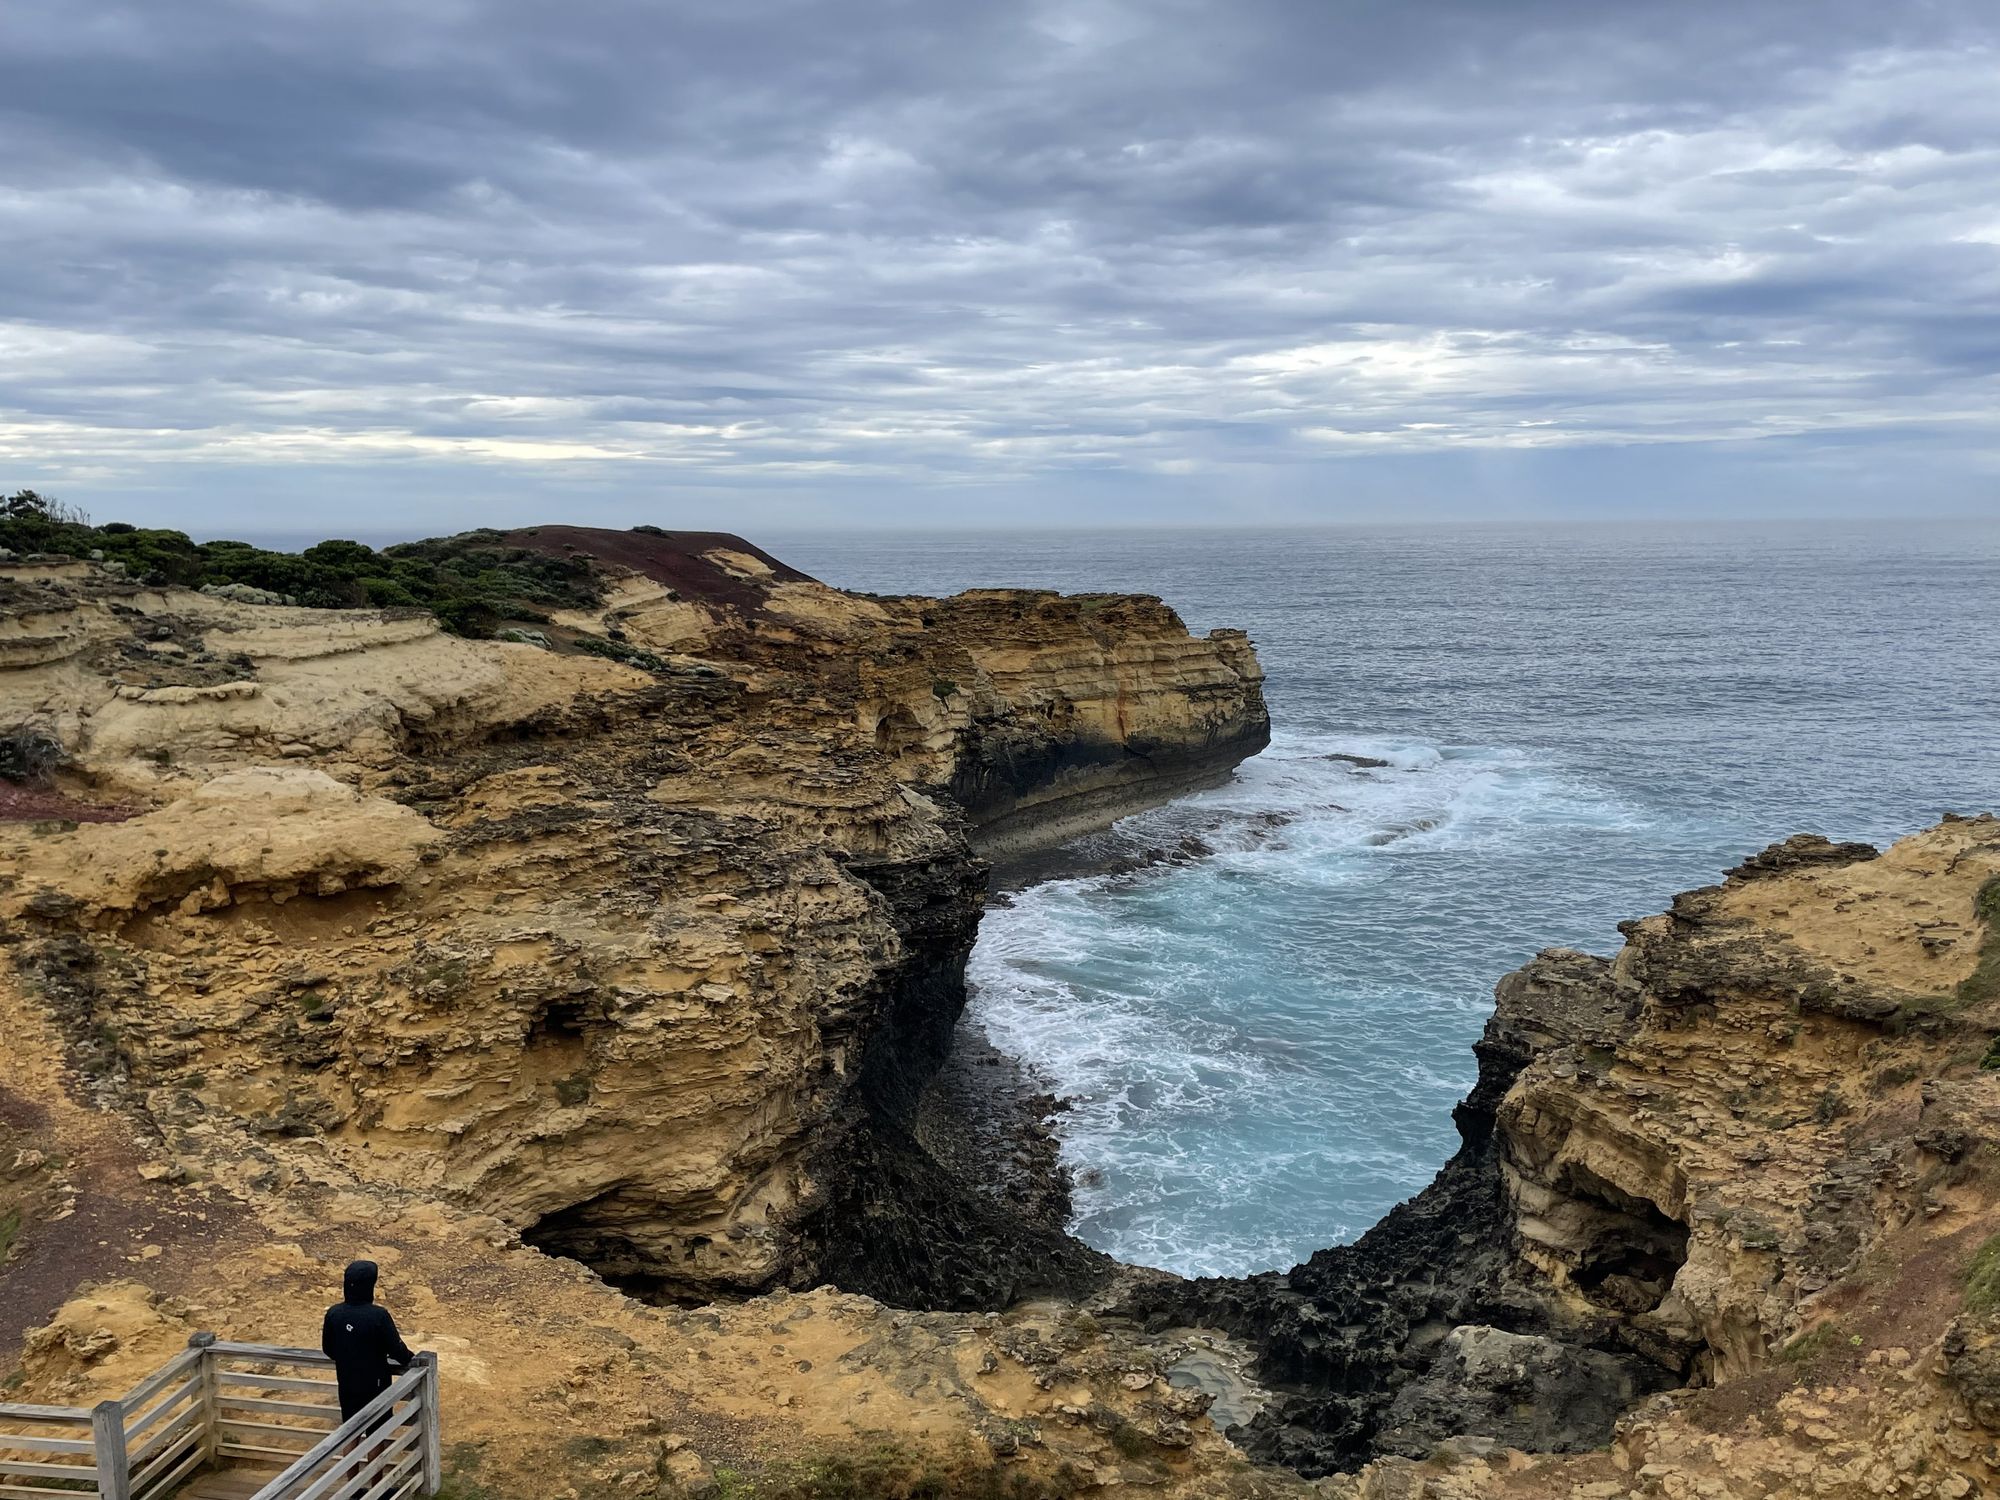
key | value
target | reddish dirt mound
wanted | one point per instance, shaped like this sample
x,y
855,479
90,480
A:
x,y
670,557
22,804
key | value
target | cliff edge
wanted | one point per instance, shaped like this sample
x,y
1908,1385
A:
x,y
1727,1211
638,926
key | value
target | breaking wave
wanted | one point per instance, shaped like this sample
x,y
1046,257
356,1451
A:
x,y
1263,1019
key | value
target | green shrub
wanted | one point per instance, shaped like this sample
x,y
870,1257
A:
x,y
1808,1347
1983,983
1982,1277
632,656
471,582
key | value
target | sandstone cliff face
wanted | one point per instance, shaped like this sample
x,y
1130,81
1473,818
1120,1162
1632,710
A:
x,y
635,939
647,957
1758,1149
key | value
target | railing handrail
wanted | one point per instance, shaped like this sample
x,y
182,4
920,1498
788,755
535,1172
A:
x,y
410,1381
282,1354
277,1353
111,1421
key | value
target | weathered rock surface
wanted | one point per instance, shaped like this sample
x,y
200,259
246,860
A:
x,y
1760,1144
648,958
637,937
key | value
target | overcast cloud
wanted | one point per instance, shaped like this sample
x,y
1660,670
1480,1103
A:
x,y
293,265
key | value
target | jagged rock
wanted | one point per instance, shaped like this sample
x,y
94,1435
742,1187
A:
x,y
650,966
1801,851
1513,1390
1972,1365
1668,1158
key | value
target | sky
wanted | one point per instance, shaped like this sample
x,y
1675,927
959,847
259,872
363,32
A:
x,y
409,266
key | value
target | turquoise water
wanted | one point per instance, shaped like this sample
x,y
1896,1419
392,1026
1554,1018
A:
x,y
1263,1046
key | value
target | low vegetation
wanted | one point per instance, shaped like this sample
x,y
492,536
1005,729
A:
x,y
1983,983
1815,1344
28,754
888,1471
472,582
1982,1278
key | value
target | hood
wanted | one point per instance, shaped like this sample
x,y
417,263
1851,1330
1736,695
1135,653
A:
x,y
358,1284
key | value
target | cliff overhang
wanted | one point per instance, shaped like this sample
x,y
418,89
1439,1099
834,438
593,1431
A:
x,y
640,925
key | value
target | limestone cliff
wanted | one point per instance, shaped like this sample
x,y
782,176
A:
x,y
638,929
1752,1160
634,935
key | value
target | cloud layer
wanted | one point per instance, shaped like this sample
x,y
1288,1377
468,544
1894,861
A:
x,y
827,260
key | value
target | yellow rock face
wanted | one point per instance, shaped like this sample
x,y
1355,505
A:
x,y
405,945
602,951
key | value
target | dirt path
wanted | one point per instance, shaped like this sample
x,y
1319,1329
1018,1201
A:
x,y
73,1174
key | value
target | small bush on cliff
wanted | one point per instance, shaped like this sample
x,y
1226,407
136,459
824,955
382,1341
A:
x,y
1810,1346
632,656
471,582
1982,1278
28,755
1983,983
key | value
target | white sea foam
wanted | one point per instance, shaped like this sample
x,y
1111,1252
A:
x,y
1694,693
1252,1071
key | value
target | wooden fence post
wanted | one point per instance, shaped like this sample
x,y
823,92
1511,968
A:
x,y
433,1420
107,1434
207,1395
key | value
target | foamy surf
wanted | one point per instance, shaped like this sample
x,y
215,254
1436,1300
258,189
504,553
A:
x,y
1577,721
1262,1046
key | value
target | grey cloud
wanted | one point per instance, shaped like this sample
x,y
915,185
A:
x,y
784,249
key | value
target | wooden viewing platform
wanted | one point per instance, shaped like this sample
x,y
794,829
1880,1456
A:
x,y
220,1422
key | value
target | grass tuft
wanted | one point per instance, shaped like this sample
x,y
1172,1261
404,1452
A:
x,y
1810,1346
462,1462
1983,983
1982,1278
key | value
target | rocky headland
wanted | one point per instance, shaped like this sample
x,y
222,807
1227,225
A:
x,y
1753,1152
598,975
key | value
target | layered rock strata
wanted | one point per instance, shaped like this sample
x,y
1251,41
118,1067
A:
x,y
1683,1167
638,937
641,934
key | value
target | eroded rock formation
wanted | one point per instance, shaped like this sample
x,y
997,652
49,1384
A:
x,y
635,935
1703,1164
640,933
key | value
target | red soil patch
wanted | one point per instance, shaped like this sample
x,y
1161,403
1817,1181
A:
x,y
672,557
116,1215
22,804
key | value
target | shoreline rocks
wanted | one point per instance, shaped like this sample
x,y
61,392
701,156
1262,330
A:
x,y
649,949
1679,1166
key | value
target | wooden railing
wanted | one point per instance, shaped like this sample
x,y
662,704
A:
x,y
219,1402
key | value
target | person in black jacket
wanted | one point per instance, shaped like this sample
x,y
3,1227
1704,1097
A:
x,y
361,1340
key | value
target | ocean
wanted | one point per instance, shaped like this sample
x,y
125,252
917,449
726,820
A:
x,y
1262,1046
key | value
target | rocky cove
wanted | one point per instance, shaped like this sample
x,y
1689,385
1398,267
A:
x,y
622,956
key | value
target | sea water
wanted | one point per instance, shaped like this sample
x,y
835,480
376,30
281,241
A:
x,y
1262,1042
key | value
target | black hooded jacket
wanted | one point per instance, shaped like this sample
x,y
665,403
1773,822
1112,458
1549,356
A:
x,y
361,1340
